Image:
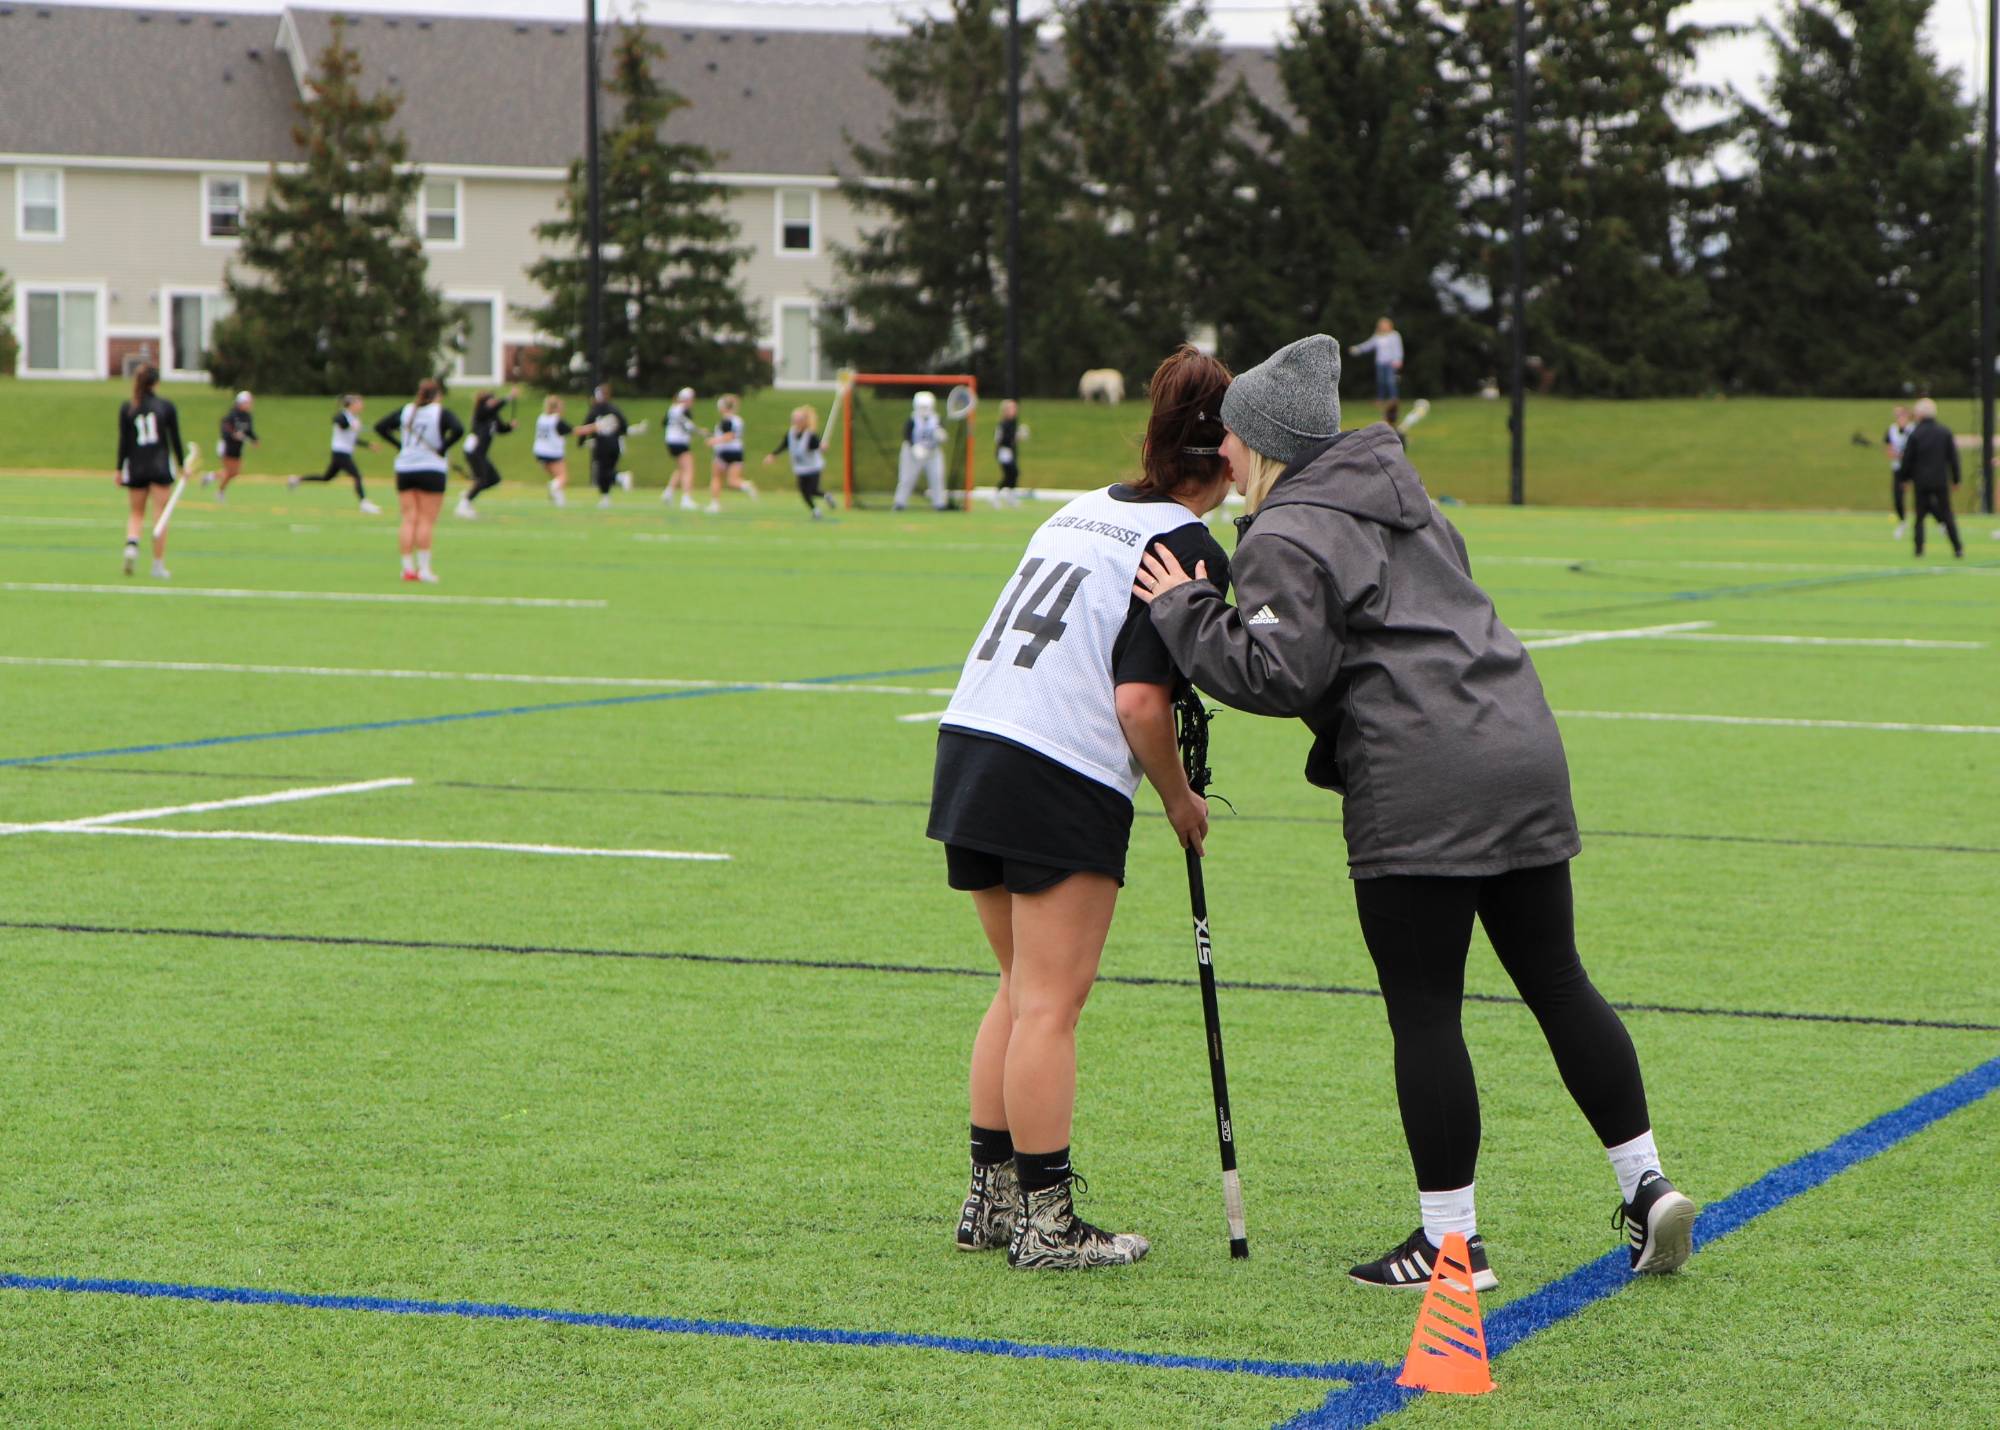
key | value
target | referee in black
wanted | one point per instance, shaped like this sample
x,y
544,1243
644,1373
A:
x,y
1930,466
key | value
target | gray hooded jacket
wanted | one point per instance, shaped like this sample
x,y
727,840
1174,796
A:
x,y
1356,611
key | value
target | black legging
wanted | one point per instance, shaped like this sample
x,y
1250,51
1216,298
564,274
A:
x,y
485,476
340,464
604,472
1935,501
809,488
1418,931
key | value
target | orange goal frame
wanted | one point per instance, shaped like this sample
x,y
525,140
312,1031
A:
x,y
945,380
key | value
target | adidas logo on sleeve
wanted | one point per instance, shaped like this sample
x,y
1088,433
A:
x,y
1265,617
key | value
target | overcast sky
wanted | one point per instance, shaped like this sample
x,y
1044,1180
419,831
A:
x,y
1955,30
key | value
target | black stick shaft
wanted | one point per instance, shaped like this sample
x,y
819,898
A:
x,y
1218,1074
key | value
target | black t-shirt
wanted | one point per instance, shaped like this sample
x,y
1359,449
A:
x,y
993,795
605,446
149,438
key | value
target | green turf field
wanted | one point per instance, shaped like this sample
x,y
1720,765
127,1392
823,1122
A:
x,y
1772,453
731,1092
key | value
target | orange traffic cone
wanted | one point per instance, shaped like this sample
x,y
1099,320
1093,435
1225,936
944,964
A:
x,y
1448,1348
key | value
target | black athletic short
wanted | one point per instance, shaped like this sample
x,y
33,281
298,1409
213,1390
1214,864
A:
x,y
970,870
679,449
162,479
433,482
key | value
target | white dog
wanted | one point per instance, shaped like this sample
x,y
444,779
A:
x,y
1102,384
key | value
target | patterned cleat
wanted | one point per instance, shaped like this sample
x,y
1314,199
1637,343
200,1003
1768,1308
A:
x,y
1050,1236
1659,1224
992,1208
1408,1267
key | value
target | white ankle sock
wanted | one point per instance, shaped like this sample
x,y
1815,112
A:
x,y
1632,1160
423,561
409,563
1446,1212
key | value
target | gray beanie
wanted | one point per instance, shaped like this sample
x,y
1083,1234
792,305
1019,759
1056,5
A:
x,y
1290,402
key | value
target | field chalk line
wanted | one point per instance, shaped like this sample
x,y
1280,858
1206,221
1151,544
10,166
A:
x,y
284,796
416,721
244,594
1366,1401
1368,1393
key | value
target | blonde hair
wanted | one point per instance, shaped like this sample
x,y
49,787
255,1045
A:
x,y
809,415
552,404
727,402
1264,474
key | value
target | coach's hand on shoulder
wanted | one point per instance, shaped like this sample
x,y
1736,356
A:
x,y
1160,572
1189,817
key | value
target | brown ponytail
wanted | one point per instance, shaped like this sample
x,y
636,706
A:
x,y
1186,425
143,382
427,391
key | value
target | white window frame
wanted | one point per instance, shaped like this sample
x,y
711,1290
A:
x,y
211,240
21,206
498,299
457,241
99,291
814,382
778,197
170,366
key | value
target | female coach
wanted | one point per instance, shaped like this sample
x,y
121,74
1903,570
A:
x,y
1356,611
1064,701
423,430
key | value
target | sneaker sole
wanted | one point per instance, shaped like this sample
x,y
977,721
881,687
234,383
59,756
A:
x,y
1669,1236
1481,1281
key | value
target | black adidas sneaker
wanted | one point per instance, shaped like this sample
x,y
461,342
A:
x,y
1659,1223
1408,1267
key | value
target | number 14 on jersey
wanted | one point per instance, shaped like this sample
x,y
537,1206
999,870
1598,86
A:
x,y
1058,588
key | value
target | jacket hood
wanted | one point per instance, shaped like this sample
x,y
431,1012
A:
x,y
1363,473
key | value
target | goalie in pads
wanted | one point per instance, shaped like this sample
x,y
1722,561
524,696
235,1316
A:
x,y
922,453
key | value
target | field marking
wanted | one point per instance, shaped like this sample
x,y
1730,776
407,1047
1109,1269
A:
x,y
1726,638
416,721
1774,567
922,716
620,682
244,594
1778,722
1367,1393
283,796
1364,1402
1629,633
256,836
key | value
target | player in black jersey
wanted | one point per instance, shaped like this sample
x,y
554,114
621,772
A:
x,y
1007,435
604,428
348,431
489,420
149,444
236,429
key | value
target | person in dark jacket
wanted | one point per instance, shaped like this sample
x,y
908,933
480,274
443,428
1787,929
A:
x,y
1357,613
1930,466
604,428
489,420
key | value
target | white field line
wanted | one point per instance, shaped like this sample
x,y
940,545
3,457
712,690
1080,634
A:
x,y
1778,722
1531,635
621,682
355,840
1854,568
921,717
1632,633
231,593
130,816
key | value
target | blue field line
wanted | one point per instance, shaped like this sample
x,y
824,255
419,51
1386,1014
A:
x,y
1370,1398
688,1326
408,721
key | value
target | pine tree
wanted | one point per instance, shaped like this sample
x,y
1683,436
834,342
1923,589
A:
x,y
329,290
1853,267
1617,304
674,310
1141,126
10,347
1352,195
923,286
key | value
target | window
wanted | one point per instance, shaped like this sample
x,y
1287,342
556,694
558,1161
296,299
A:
x,y
191,317
222,206
798,359
39,212
62,332
478,360
798,222
440,211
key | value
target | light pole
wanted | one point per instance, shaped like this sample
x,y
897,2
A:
x,y
594,314
1014,198
1517,420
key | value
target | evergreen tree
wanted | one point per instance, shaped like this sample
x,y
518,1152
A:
x,y
10,347
329,288
1353,195
1853,267
1617,303
923,288
674,310
1142,128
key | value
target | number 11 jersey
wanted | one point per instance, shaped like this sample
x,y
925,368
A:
x,y
1040,673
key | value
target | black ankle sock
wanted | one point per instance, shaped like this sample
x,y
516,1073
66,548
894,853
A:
x,y
990,1147
1042,1170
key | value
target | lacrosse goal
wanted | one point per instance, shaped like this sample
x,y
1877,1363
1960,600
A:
x,y
870,410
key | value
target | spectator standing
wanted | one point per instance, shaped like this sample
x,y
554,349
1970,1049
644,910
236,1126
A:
x,y
1930,463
